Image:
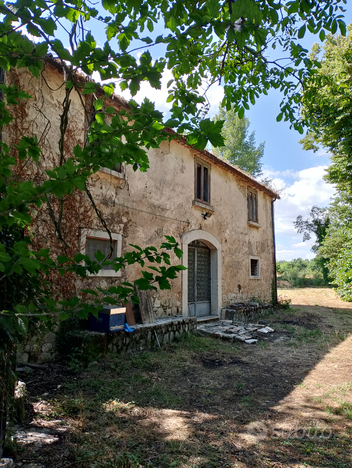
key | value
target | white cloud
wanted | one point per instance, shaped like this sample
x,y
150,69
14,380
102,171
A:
x,y
301,244
271,173
297,198
291,254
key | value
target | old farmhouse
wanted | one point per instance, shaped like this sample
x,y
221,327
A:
x,y
221,216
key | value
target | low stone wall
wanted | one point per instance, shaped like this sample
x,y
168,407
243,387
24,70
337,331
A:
x,y
151,335
38,349
144,337
242,312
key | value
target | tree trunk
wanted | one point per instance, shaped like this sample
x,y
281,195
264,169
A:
x,y
7,384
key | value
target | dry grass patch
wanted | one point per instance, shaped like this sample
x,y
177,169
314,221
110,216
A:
x,y
285,402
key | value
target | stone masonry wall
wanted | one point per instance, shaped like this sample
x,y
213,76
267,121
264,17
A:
x,y
145,337
244,312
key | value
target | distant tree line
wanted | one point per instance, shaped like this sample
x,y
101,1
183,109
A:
x,y
300,273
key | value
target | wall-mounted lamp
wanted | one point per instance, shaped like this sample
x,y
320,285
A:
x,y
206,215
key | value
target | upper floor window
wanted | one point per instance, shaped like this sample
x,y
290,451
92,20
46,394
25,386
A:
x,y
202,182
252,202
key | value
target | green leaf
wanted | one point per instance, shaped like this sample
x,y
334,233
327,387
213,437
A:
x,y
98,104
109,89
241,113
301,32
216,140
178,252
172,123
123,85
134,86
42,48
213,8
110,5
342,26
62,259
4,257
322,35
90,87
48,25
29,264
99,256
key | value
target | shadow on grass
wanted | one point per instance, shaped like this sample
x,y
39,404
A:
x,y
205,403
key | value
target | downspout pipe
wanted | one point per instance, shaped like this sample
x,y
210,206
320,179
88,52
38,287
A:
x,y
274,293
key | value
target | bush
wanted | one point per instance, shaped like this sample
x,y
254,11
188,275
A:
x,y
74,344
301,273
343,274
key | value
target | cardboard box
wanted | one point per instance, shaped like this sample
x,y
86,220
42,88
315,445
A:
x,y
110,319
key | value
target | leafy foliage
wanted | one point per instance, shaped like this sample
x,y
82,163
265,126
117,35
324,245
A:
x,y
317,224
300,273
342,270
327,108
327,111
240,147
337,244
203,43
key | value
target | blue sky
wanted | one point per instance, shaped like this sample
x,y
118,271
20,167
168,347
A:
x,y
297,174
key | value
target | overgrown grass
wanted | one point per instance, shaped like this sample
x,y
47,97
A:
x,y
189,403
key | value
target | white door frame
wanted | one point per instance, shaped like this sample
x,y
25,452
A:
x,y
215,268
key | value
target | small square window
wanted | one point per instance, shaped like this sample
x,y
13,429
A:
x,y
103,245
254,271
202,182
92,241
252,203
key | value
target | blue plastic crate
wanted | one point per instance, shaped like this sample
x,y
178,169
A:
x,y
110,319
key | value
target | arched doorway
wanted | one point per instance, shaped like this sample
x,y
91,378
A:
x,y
201,282
199,279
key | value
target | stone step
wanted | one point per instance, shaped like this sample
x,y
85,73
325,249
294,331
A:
x,y
208,318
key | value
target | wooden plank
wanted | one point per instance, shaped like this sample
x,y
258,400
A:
x,y
146,306
130,319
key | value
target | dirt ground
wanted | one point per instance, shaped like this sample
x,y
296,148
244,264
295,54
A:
x,y
284,402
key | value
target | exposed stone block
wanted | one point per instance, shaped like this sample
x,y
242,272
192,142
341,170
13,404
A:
x,y
45,357
49,337
23,358
47,347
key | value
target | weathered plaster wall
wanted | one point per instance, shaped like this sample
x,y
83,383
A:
x,y
144,207
159,202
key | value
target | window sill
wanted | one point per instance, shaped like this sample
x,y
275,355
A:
x,y
118,175
253,224
254,277
105,274
203,206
